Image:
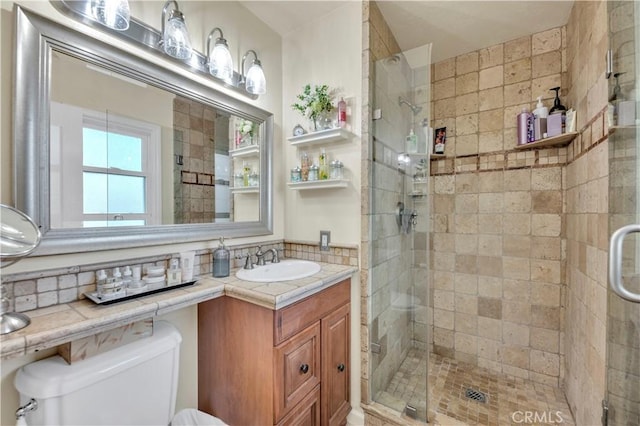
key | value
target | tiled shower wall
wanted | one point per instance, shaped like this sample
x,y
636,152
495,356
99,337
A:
x,y
194,179
497,213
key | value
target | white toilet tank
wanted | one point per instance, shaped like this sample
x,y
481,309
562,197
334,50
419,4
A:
x,y
134,384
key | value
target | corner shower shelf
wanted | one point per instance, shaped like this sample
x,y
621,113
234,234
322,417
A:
x,y
246,190
319,184
322,136
554,141
247,151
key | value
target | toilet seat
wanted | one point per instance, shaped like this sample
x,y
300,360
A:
x,y
193,417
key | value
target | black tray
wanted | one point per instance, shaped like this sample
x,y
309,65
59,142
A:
x,y
93,296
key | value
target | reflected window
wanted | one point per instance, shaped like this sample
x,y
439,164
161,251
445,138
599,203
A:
x,y
119,170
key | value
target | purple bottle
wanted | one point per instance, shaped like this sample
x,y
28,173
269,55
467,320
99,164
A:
x,y
525,127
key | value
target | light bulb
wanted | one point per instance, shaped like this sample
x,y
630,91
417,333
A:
x,y
176,37
220,62
255,80
111,13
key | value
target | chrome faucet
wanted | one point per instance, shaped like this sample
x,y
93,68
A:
x,y
260,257
274,255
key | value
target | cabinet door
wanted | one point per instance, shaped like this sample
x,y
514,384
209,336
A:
x,y
335,367
297,369
307,413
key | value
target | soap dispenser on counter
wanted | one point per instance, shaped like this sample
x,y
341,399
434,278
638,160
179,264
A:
x,y
221,259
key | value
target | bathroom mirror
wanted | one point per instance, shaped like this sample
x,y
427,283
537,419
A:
x,y
19,236
114,151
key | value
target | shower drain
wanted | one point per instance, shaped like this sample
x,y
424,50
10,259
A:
x,y
475,395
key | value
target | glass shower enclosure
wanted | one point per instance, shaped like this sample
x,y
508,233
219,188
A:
x,y
621,405
398,319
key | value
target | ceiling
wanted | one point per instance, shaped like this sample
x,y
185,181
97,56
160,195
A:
x,y
454,27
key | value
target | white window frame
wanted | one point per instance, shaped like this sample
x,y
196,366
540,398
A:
x,y
66,164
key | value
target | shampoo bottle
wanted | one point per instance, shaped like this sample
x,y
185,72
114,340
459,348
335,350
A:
x,y
525,127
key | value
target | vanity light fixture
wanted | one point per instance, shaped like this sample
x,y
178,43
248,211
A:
x,y
172,40
175,37
111,13
254,81
219,60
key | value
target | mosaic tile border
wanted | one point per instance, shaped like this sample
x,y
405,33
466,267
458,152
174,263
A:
x,y
39,289
591,135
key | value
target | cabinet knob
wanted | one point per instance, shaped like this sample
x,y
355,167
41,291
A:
x,y
341,367
304,368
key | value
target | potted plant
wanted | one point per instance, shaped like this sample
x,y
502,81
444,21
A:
x,y
247,130
316,104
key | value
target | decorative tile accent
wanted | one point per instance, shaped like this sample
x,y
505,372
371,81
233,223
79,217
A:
x,y
40,289
86,347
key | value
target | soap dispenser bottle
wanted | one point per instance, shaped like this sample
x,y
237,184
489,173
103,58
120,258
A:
x,y
412,142
540,120
221,261
557,106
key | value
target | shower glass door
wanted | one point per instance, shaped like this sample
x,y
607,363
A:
x,y
622,401
398,318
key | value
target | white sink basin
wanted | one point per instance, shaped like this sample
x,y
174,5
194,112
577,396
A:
x,y
286,270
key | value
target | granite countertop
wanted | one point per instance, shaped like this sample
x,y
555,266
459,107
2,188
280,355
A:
x,y
55,325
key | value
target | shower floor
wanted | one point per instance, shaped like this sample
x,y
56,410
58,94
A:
x,y
509,400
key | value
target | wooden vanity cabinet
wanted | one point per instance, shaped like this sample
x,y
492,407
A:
x,y
257,366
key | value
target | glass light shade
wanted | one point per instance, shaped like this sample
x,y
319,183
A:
x,y
220,62
111,13
255,80
176,38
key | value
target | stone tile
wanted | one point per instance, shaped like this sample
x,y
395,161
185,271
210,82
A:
x,y
490,99
445,69
490,307
489,121
546,41
491,77
465,104
517,93
517,71
444,89
466,83
467,63
491,56
546,64
517,49
466,124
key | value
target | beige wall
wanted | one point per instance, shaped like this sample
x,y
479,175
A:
x,y
326,50
243,31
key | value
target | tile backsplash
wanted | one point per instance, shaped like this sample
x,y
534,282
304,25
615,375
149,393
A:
x,y
32,290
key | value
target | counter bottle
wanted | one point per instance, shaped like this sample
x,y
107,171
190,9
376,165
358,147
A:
x,y
221,260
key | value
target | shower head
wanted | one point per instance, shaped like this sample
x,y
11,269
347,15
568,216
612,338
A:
x,y
416,109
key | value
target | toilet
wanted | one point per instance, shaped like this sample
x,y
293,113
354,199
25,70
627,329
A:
x,y
134,384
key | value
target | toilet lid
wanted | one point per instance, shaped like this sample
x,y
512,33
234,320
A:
x,y
193,417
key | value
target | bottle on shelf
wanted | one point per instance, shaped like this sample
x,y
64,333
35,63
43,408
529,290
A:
x,y
342,113
324,167
246,170
412,142
305,163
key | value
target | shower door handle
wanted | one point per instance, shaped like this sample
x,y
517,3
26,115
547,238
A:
x,y
615,263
